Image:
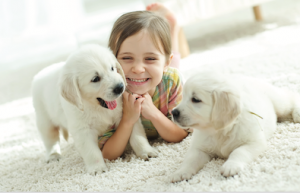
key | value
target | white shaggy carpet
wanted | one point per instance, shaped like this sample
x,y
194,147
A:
x,y
272,54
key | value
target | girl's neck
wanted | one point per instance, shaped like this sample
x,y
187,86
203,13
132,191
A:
x,y
152,91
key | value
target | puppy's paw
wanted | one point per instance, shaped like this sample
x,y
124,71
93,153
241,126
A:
x,y
98,168
296,115
231,168
53,157
147,153
181,174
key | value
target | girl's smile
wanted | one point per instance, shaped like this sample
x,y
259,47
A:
x,y
137,82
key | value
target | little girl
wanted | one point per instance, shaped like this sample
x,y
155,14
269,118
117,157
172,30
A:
x,y
141,42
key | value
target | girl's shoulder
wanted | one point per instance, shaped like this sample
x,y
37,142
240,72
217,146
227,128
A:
x,y
172,74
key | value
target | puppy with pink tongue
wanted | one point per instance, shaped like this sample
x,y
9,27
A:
x,y
83,97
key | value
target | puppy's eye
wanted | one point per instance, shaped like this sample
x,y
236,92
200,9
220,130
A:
x,y
112,68
95,79
194,100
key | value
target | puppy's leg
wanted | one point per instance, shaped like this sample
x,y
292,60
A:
x,y
241,156
50,137
296,115
193,162
290,105
85,140
286,103
296,108
139,142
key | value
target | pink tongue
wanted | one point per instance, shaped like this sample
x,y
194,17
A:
x,y
111,104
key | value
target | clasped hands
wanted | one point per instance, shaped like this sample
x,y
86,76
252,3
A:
x,y
134,105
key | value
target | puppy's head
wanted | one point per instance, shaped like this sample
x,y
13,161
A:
x,y
210,100
92,74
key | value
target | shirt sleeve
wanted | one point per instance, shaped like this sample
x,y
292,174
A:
x,y
175,94
103,138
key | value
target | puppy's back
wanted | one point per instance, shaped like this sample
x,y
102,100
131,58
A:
x,y
45,88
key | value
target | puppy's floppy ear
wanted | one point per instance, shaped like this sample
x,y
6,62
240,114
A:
x,y
120,71
225,110
70,91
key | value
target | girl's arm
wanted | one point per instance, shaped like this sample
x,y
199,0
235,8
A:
x,y
167,129
115,145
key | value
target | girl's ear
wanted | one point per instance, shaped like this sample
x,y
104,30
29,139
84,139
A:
x,y
168,62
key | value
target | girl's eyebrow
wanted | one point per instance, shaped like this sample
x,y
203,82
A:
x,y
152,53
125,53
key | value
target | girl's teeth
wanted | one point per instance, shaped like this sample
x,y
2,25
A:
x,y
138,80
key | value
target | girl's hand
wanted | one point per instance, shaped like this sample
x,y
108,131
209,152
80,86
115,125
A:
x,y
132,104
148,108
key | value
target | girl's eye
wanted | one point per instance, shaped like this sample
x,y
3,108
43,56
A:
x,y
126,58
194,100
95,79
150,58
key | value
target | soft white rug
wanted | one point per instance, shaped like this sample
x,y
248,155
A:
x,y
270,54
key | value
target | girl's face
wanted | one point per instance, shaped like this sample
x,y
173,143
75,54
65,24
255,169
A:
x,y
142,63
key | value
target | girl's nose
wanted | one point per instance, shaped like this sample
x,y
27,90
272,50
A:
x,y
138,68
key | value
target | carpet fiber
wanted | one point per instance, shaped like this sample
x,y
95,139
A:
x,y
270,53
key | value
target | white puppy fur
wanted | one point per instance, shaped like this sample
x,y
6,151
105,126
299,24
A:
x,y
72,96
225,112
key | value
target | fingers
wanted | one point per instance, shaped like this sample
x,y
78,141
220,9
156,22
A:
x,y
130,97
125,96
139,101
133,98
146,95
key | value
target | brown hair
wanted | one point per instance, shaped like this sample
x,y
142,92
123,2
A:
x,y
131,23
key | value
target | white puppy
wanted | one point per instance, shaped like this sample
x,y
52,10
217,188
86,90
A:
x,y
83,97
232,116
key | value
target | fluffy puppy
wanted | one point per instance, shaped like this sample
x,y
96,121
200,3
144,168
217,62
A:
x,y
232,116
83,97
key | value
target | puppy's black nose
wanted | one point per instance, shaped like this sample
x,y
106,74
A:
x,y
175,113
119,88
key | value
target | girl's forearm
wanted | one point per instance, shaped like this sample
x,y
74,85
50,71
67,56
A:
x,y
167,129
116,144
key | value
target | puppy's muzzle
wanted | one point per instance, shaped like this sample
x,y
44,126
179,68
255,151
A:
x,y
176,114
118,89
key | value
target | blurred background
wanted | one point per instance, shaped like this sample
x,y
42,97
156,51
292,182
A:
x,y
37,33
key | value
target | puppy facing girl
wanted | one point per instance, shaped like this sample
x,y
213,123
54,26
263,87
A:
x,y
141,42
